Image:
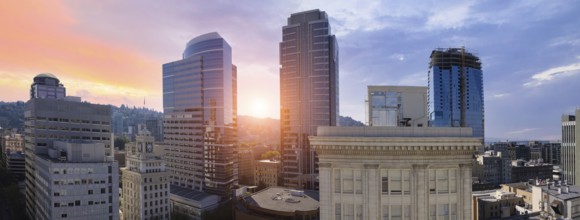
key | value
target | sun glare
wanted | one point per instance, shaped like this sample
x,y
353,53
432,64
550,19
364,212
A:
x,y
259,108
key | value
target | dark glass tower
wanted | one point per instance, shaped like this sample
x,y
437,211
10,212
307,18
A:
x,y
456,90
308,93
47,86
200,116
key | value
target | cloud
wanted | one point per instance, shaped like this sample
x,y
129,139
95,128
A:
x,y
498,95
398,56
522,131
553,73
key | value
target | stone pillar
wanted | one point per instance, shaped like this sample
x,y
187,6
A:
x,y
326,190
464,200
419,192
372,192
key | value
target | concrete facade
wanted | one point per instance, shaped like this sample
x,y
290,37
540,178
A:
x,y
397,106
395,172
266,172
48,120
495,204
75,180
145,182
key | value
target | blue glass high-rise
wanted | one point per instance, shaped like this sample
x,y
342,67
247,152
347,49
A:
x,y
200,116
456,90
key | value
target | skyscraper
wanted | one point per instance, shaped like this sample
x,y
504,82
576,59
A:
x,y
569,151
456,90
200,116
308,92
46,85
70,171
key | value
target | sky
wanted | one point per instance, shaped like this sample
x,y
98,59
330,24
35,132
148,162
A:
x,y
111,52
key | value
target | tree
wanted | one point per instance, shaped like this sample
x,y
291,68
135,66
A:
x,y
270,155
120,142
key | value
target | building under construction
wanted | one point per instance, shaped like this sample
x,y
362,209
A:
x,y
456,90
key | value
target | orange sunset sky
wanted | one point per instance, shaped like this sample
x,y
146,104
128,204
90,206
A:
x,y
111,53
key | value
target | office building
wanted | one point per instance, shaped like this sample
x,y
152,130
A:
x,y
492,167
155,127
308,93
145,181
266,173
67,119
191,203
279,203
200,117
397,106
47,86
395,172
456,90
523,171
246,163
496,204
551,153
75,180
569,151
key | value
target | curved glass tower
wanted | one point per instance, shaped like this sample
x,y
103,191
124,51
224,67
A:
x,y
200,116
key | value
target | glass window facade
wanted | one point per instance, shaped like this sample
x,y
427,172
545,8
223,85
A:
x,y
456,90
308,93
200,116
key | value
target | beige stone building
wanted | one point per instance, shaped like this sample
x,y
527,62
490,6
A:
x,y
266,172
395,172
145,182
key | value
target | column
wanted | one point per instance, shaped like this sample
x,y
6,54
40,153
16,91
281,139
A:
x,y
326,190
420,192
464,200
372,191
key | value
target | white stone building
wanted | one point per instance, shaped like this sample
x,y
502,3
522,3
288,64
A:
x,y
397,106
75,180
395,172
145,182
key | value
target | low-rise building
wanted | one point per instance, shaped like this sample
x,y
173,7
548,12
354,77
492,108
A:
x,y
266,172
192,203
557,201
524,171
495,204
279,203
15,164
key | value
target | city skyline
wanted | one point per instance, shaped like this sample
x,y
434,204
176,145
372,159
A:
x,y
530,63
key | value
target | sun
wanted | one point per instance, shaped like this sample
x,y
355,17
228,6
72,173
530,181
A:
x,y
259,108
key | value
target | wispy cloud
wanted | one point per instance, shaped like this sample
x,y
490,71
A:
x,y
521,131
553,73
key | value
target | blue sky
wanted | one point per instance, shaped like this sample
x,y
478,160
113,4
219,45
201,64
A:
x,y
530,51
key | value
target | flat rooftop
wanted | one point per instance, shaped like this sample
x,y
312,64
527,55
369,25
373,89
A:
x,y
573,192
335,131
279,199
189,193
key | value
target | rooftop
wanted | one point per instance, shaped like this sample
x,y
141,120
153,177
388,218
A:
x,y
573,192
279,199
189,193
334,131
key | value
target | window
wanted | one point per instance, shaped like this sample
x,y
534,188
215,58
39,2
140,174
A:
x,y
358,181
442,181
359,212
406,182
348,211
453,180
385,212
384,182
347,181
396,186
90,191
337,211
432,181
443,211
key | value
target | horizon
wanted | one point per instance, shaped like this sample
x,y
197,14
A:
x,y
112,52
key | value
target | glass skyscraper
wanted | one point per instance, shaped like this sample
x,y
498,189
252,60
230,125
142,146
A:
x,y
456,90
200,116
308,93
